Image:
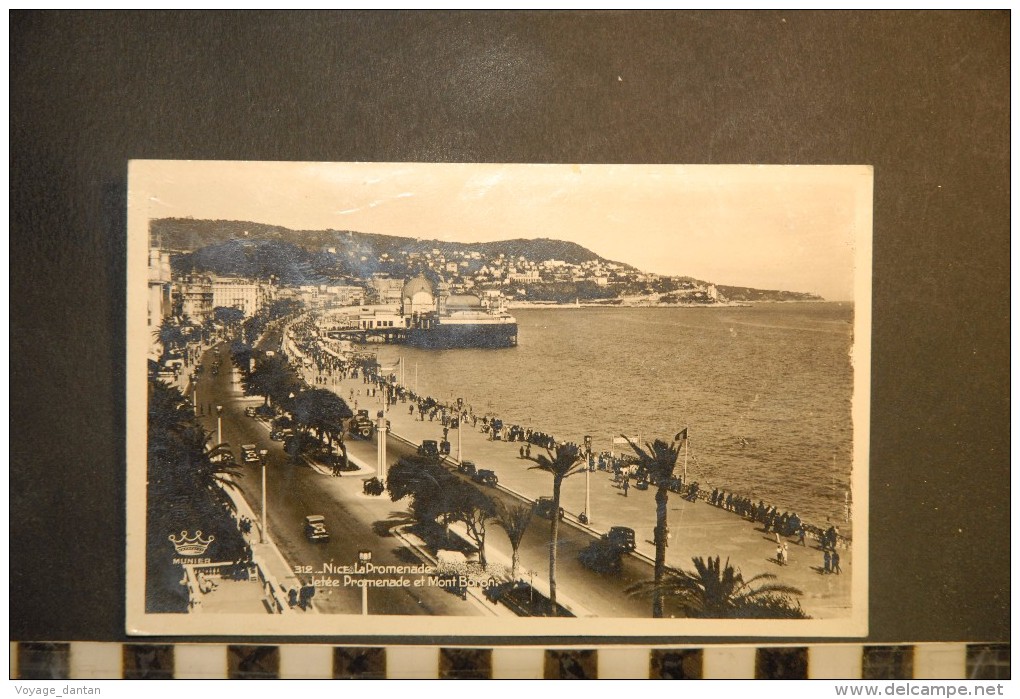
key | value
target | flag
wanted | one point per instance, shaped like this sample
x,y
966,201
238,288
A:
x,y
681,435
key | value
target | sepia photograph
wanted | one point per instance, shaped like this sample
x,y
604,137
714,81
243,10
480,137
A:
x,y
498,399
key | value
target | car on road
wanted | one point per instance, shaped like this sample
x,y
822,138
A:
x,y
361,425
249,453
250,411
620,537
486,477
223,457
429,447
279,435
315,529
467,467
544,508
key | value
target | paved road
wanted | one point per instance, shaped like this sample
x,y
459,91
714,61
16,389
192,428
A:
x,y
297,490
600,594
697,528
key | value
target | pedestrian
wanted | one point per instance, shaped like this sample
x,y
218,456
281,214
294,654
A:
x,y
800,536
786,554
527,451
522,452
835,562
779,555
626,485
827,561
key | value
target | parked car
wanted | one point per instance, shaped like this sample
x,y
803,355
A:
x,y
278,435
249,453
361,425
544,508
430,448
315,529
250,411
467,467
620,537
224,457
486,477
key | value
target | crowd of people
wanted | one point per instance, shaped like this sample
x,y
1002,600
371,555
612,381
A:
x,y
625,467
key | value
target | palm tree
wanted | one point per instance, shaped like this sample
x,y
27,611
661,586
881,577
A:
x,y
658,460
717,591
170,335
514,519
561,463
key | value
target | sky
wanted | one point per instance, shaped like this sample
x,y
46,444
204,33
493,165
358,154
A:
x,y
795,228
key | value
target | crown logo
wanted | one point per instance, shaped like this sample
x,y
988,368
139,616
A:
x,y
193,546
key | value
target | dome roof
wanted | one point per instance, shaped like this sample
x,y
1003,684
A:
x,y
416,285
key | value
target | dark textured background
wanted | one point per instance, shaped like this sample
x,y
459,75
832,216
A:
x,y
924,97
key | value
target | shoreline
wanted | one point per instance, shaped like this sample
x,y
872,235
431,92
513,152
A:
x,y
526,305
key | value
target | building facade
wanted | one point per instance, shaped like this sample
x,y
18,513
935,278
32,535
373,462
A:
x,y
245,295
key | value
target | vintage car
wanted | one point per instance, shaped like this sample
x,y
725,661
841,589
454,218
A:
x,y
544,508
485,477
620,537
430,448
315,529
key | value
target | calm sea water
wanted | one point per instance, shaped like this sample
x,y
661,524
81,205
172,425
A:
x,y
765,390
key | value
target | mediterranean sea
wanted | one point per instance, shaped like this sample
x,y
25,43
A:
x,y
764,390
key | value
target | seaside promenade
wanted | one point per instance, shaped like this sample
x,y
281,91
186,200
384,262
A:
x,y
695,528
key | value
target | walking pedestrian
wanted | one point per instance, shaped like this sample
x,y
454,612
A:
x,y
786,554
779,555
835,563
626,485
827,562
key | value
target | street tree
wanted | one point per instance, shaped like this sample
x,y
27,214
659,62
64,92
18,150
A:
x,y
658,460
228,317
714,590
474,508
323,412
272,378
562,462
429,487
514,520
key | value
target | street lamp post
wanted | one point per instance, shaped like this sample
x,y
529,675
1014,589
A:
x,y
587,479
381,431
460,417
363,558
219,424
264,533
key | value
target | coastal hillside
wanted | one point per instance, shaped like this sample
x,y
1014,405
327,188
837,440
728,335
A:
x,y
746,294
188,235
540,270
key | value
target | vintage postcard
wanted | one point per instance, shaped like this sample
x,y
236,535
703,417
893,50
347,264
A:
x,y
498,400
